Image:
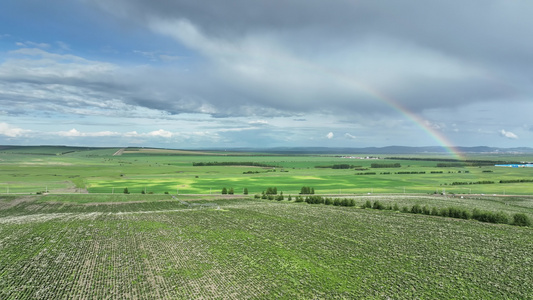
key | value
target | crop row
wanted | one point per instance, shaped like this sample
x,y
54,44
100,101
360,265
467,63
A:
x,y
261,249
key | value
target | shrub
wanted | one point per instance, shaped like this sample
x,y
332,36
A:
x,y
367,204
426,210
396,207
416,209
378,205
434,211
521,220
490,217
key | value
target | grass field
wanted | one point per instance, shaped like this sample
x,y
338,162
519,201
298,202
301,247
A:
x,y
83,238
150,246
64,169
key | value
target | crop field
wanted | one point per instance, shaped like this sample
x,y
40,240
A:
x,y
67,170
149,246
69,230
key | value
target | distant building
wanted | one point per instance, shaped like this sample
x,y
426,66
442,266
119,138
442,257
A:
x,y
516,165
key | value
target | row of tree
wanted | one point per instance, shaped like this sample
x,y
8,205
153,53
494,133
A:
x,y
231,191
338,166
232,163
391,165
518,219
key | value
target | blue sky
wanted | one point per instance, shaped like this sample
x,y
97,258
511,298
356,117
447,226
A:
x,y
201,74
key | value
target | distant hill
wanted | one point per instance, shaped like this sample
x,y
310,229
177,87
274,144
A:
x,y
57,150
383,150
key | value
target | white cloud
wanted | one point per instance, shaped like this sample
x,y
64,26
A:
x,y
32,44
508,134
330,135
436,126
75,133
161,133
353,137
10,131
258,122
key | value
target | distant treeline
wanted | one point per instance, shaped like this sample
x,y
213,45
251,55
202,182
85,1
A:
x,y
516,180
476,182
232,163
492,182
339,166
393,165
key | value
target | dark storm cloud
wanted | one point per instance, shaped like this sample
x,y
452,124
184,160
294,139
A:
x,y
289,56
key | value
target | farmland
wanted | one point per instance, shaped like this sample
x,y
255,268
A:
x,y
73,247
87,239
65,169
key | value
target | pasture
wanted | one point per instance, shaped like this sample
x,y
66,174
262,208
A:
x,y
67,170
68,230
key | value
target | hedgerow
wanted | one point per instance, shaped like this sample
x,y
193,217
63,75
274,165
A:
x,y
518,219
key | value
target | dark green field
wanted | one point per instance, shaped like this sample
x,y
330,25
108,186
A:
x,y
81,241
66,247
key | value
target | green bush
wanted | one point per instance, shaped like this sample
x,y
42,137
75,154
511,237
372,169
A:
x,y
521,220
378,205
396,207
416,209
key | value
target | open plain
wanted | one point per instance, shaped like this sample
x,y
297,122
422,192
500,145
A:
x,y
68,230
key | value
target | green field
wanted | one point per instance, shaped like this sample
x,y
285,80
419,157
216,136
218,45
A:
x,y
68,230
68,170
154,247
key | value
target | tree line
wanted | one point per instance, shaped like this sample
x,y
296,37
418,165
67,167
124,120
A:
x,y
232,163
518,219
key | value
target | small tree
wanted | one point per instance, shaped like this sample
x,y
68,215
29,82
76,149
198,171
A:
x,y
396,207
126,191
231,191
224,191
378,205
245,191
521,220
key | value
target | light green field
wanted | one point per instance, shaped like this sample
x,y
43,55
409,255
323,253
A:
x,y
64,169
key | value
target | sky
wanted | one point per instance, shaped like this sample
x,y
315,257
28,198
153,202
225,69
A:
x,y
189,74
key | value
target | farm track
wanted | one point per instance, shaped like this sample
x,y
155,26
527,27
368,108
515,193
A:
x,y
119,152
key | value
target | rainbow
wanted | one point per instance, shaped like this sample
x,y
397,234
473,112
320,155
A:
x,y
366,89
437,136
